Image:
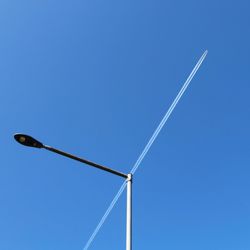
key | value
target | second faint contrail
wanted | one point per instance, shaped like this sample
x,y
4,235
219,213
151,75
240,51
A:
x,y
147,147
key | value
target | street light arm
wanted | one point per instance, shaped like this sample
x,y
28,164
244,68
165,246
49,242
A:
x,y
29,141
93,164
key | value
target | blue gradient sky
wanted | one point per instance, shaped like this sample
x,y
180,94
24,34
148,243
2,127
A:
x,y
95,78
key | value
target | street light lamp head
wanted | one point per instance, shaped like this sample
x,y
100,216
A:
x,y
27,140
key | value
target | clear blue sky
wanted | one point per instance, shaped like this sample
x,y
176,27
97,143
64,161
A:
x,y
95,78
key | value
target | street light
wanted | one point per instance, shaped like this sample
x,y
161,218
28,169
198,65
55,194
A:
x,y
29,141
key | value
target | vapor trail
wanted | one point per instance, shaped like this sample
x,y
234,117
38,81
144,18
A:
x,y
103,219
167,115
147,147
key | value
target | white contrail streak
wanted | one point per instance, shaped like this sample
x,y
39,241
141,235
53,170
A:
x,y
112,204
147,147
167,115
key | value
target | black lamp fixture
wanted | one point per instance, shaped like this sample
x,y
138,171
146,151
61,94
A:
x,y
27,140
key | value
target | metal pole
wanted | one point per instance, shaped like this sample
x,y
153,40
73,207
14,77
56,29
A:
x,y
129,213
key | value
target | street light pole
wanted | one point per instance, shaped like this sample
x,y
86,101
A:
x,y
129,213
29,141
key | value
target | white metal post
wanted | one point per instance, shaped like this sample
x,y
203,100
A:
x,y
129,213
